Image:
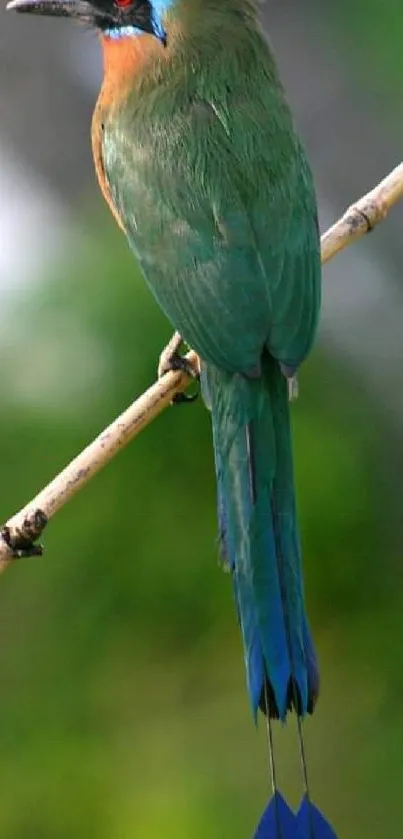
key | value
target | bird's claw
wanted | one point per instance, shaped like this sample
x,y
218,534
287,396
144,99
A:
x,y
21,540
182,398
170,359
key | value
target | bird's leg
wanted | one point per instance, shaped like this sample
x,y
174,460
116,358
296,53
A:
x,y
170,359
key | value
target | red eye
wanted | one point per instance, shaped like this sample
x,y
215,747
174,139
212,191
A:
x,y
123,3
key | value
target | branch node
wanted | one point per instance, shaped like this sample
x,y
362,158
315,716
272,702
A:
x,y
369,220
20,540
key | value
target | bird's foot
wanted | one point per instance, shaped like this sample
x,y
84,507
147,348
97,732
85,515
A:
x,y
21,539
170,359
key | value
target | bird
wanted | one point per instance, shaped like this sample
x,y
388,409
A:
x,y
198,157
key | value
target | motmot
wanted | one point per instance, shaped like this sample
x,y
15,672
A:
x,y
199,160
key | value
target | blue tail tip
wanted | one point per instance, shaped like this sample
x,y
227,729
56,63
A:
x,y
278,821
312,823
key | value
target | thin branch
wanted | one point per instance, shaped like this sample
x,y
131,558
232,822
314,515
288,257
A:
x,y
364,215
21,531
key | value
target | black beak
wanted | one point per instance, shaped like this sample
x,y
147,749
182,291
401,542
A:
x,y
96,13
55,8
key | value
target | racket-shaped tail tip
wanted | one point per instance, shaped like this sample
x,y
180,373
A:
x,y
311,823
278,821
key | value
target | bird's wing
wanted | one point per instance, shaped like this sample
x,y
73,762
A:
x,y
222,219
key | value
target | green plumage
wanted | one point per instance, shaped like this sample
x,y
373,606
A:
x,y
215,193
214,190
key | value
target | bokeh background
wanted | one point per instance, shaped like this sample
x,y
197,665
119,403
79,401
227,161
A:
x,y
123,711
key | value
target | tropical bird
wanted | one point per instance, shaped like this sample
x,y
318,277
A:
x,y
197,155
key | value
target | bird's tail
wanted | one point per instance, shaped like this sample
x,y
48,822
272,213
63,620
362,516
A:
x,y
260,544
259,535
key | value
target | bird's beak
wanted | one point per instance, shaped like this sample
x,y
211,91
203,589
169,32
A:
x,y
58,8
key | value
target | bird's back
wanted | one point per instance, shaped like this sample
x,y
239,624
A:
x,y
212,186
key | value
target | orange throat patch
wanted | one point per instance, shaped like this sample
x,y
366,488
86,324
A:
x,y
124,58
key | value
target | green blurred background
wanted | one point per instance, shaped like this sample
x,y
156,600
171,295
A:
x,y
123,710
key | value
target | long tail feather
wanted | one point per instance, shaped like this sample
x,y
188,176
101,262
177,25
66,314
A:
x,y
260,546
259,534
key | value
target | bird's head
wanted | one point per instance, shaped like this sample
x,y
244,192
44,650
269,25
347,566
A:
x,y
114,18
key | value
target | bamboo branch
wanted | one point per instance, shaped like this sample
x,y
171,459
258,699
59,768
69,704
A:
x,y
364,215
18,536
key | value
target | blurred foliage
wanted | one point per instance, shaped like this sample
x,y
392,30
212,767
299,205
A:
x,y
377,27
123,707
